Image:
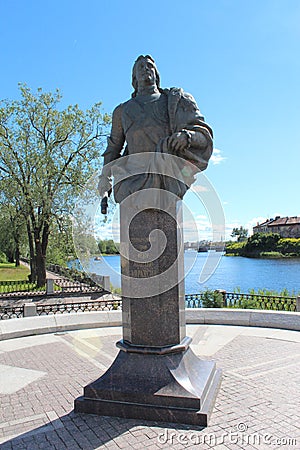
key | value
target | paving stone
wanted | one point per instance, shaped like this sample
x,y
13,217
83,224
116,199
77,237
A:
x,y
39,414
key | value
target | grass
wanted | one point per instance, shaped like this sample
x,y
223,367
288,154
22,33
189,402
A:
x,y
8,272
273,255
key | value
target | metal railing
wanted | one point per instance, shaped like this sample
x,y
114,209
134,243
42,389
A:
x,y
25,290
63,286
18,288
258,301
247,301
230,300
69,308
11,312
193,300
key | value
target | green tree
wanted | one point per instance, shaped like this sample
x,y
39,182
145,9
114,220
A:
x,y
111,247
12,228
241,233
235,248
60,246
46,155
108,246
7,242
102,246
262,242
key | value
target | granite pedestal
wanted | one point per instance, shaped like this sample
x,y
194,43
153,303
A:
x,y
155,375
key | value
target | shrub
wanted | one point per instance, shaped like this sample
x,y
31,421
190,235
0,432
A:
x,y
235,248
246,303
269,292
265,245
115,290
289,246
3,257
212,299
260,242
273,255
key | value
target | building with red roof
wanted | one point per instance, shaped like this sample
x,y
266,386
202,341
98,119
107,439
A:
x,y
286,227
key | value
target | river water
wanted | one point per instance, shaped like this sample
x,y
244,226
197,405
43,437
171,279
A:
x,y
223,272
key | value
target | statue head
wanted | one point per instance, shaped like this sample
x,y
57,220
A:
x,y
134,77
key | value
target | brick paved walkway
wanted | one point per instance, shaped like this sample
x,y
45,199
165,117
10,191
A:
x,y
258,405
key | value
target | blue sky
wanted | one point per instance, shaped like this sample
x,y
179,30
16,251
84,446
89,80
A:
x,y
239,59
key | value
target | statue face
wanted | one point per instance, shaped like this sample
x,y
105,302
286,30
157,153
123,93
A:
x,y
145,72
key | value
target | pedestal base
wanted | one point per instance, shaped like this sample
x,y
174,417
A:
x,y
174,386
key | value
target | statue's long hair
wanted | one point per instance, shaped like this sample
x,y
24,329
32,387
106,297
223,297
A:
x,y
134,79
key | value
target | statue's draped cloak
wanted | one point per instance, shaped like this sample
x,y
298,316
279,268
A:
x,y
146,127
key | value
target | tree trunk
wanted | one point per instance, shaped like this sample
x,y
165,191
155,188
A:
x,y
17,254
40,262
32,259
41,251
45,238
10,256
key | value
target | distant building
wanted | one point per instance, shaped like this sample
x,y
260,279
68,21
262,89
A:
x,y
191,246
286,227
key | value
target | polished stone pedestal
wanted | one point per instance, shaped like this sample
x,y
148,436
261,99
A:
x,y
155,375
153,300
162,384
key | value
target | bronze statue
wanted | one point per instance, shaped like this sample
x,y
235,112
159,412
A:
x,y
154,121
155,375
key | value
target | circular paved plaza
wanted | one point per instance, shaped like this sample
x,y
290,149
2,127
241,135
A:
x,y
258,405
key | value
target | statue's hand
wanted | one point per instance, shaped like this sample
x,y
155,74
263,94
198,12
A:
x,y
178,142
104,185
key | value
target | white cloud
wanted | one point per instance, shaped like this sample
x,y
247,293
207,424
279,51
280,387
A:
x,y
216,157
200,228
199,188
252,222
248,225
